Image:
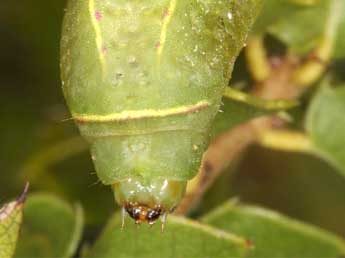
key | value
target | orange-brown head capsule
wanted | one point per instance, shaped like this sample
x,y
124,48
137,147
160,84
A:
x,y
144,201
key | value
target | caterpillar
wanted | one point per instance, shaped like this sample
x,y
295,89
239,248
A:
x,y
143,80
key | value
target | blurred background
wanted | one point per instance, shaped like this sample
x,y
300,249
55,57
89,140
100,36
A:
x,y
38,145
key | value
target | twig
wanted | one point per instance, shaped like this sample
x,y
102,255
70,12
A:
x,y
226,148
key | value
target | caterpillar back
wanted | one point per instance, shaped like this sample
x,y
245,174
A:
x,y
144,81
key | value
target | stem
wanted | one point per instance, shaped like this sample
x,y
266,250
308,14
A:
x,y
283,83
286,141
258,102
228,146
305,2
221,152
257,61
308,73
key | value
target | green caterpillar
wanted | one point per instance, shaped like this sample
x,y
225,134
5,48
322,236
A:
x,y
144,80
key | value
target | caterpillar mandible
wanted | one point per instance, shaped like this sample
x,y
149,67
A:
x,y
143,80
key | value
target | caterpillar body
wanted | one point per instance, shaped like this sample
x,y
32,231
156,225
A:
x,y
143,80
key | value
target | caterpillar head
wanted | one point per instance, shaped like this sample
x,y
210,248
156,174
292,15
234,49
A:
x,y
143,213
146,201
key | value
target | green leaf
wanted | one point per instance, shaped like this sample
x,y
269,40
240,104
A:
x,y
233,113
51,228
301,27
305,2
181,238
274,235
301,30
273,12
325,124
11,215
239,107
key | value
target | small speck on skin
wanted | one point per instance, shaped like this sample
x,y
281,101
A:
x,y
98,16
208,167
104,50
249,244
158,45
165,14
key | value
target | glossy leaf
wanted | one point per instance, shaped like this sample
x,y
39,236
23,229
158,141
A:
x,y
11,216
233,113
274,11
274,235
301,27
181,238
51,228
239,107
325,124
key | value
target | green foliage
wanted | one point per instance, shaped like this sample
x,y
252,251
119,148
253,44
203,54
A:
x,y
233,113
259,233
238,107
274,235
325,124
301,27
37,146
51,228
11,215
181,237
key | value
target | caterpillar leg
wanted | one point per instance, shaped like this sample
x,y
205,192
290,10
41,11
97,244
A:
x,y
123,217
164,220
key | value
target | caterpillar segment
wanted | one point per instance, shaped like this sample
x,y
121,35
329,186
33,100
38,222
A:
x,y
143,81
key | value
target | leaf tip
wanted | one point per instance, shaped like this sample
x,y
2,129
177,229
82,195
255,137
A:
x,y
21,199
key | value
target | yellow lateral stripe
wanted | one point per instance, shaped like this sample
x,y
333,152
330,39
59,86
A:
x,y
98,32
165,24
142,114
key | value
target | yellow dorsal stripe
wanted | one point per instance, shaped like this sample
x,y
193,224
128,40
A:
x,y
141,114
165,23
98,32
